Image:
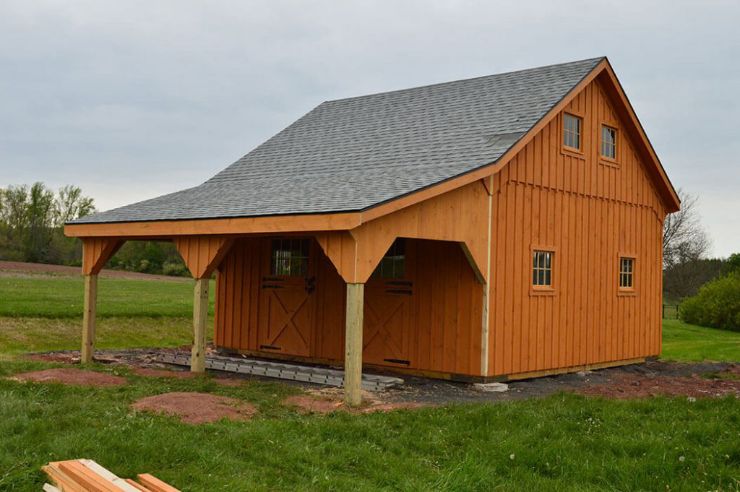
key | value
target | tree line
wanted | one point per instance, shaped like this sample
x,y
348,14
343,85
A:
x,y
686,246
32,222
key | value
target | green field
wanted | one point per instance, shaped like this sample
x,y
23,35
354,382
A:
x,y
61,297
684,342
563,442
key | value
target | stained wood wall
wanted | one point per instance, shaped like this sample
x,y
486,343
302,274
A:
x,y
590,212
446,315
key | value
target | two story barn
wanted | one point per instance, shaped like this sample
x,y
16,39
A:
x,y
499,227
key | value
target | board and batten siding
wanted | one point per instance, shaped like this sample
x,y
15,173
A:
x,y
589,212
446,307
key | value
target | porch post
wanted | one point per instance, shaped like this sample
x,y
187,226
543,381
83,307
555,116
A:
x,y
353,344
95,252
88,318
200,317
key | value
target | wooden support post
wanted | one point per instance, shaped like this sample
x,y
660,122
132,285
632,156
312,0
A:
x,y
88,318
353,344
95,252
200,318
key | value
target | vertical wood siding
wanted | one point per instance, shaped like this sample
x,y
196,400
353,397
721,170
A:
x,y
589,212
444,332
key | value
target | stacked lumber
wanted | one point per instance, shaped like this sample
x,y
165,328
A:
x,y
88,476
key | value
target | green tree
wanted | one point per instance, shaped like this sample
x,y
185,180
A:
x,y
40,219
70,204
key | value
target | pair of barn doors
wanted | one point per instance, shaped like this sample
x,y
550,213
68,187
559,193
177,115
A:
x,y
289,297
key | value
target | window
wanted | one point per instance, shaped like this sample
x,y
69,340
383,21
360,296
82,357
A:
x,y
393,264
542,268
608,142
626,273
572,131
289,257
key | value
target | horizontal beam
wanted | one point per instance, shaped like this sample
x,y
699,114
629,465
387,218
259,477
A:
x,y
235,226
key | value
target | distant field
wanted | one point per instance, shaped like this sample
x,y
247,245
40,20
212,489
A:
x,y
61,297
39,313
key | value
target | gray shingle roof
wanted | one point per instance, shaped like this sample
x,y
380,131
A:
x,y
351,154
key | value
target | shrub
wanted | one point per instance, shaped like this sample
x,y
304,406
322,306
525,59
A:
x,y
717,304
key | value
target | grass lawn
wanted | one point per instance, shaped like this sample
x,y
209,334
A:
x,y
684,342
563,442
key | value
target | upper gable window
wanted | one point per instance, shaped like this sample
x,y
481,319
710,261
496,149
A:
x,y
572,126
608,142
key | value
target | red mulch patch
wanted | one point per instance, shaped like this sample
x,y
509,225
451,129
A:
x,y
324,405
72,377
634,386
196,408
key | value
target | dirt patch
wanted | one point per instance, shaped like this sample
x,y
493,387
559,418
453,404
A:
x,y
162,373
330,400
18,268
60,357
75,377
626,386
228,381
196,408
312,404
391,406
166,373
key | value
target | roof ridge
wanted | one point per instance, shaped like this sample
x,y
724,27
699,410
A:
x,y
510,72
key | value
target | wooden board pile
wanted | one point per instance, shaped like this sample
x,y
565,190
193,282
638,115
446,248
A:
x,y
88,476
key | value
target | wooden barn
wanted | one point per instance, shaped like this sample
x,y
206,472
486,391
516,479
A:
x,y
500,227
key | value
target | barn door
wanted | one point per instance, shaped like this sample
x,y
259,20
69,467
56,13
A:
x,y
388,308
287,299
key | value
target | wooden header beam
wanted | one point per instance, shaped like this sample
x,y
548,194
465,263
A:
x,y
229,226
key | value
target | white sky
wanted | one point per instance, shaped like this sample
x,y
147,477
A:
x,y
134,99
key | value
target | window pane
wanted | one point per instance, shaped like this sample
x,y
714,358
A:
x,y
400,268
289,257
548,275
608,142
393,264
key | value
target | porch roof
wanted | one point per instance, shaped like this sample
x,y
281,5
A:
x,y
352,154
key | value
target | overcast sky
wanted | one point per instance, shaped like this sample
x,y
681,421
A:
x,y
134,99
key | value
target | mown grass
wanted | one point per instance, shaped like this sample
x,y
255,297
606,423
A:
x,y
684,342
564,442
22,335
62,297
